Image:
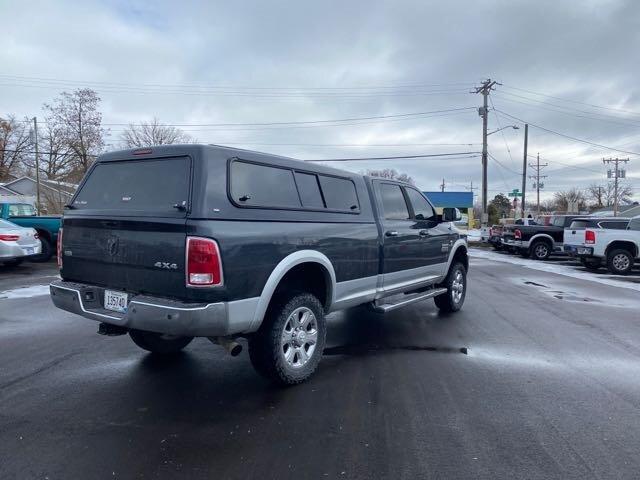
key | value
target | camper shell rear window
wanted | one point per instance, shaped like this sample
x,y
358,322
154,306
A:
x,y
150,185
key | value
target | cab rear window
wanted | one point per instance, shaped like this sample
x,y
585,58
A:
x,y
155,186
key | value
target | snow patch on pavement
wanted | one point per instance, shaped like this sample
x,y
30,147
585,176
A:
x,y
25,292
565,270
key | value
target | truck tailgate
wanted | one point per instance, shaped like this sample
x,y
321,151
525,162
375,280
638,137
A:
x,y
141,256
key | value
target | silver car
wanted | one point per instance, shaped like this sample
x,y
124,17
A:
x,y
17,243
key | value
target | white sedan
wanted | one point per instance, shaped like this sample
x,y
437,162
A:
x,y
17,243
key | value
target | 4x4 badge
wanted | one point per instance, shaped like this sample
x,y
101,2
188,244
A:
x,y
166,265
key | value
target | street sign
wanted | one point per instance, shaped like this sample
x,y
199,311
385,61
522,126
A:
x,y
515,193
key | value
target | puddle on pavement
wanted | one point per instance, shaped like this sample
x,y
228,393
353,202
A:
x,y
365,349
560,295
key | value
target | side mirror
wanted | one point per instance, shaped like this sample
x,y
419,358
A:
x,y
451,214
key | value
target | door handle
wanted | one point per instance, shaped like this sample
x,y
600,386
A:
x,y
391,233
423,233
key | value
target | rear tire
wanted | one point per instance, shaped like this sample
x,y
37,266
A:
x,y
456,285
288,346
620,261
540,250
47,252
159,343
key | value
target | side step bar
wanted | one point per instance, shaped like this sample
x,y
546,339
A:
x,y
408,300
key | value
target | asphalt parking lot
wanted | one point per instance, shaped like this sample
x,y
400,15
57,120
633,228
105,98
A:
x,y
537,377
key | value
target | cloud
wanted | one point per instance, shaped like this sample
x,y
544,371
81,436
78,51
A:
x,y
583,52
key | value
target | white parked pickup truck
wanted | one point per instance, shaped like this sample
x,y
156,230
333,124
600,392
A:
x,y
611,241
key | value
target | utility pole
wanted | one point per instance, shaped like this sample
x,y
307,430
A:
x,y
442,186
483,111
616,174
537,185
471,188
524,165
35,142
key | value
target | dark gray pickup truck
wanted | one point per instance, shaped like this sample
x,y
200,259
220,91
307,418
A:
x,y
182,241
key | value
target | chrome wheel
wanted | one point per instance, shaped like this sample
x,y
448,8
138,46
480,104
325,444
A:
x,y
457,287
541,250
299,337
620,262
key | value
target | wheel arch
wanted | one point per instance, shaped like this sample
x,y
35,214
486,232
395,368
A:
x,y
622,244
459,251
322,277
542,236
44,234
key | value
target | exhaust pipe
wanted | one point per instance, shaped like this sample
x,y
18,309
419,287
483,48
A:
x,y
229,344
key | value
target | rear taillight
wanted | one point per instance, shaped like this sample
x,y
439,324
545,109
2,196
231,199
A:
x,y
517,234
10,238
59,248
589,237
204,266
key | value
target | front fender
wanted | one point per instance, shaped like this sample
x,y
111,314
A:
x,y
460,243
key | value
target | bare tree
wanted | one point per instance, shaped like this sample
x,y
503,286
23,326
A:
x,y
604,195
392,174
564,199
76,118
57,158
15,145
153,133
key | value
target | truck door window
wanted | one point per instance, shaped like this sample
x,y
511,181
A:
x,y
21,210
393,202
634,224
422,210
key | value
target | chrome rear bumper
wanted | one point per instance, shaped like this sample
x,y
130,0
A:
x,y
156,314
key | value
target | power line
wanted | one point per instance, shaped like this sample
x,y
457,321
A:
x,y
240,126
504,138
400,157
304,122
574,101
407,157
239,87
347,144
568,136
618,121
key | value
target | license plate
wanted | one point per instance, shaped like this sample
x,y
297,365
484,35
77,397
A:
x,y
116,301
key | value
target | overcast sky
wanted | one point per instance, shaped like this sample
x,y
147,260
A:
x,y
256,62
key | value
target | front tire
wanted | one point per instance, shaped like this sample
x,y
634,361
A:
x,y
159,343
456,285
620,261
288,346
